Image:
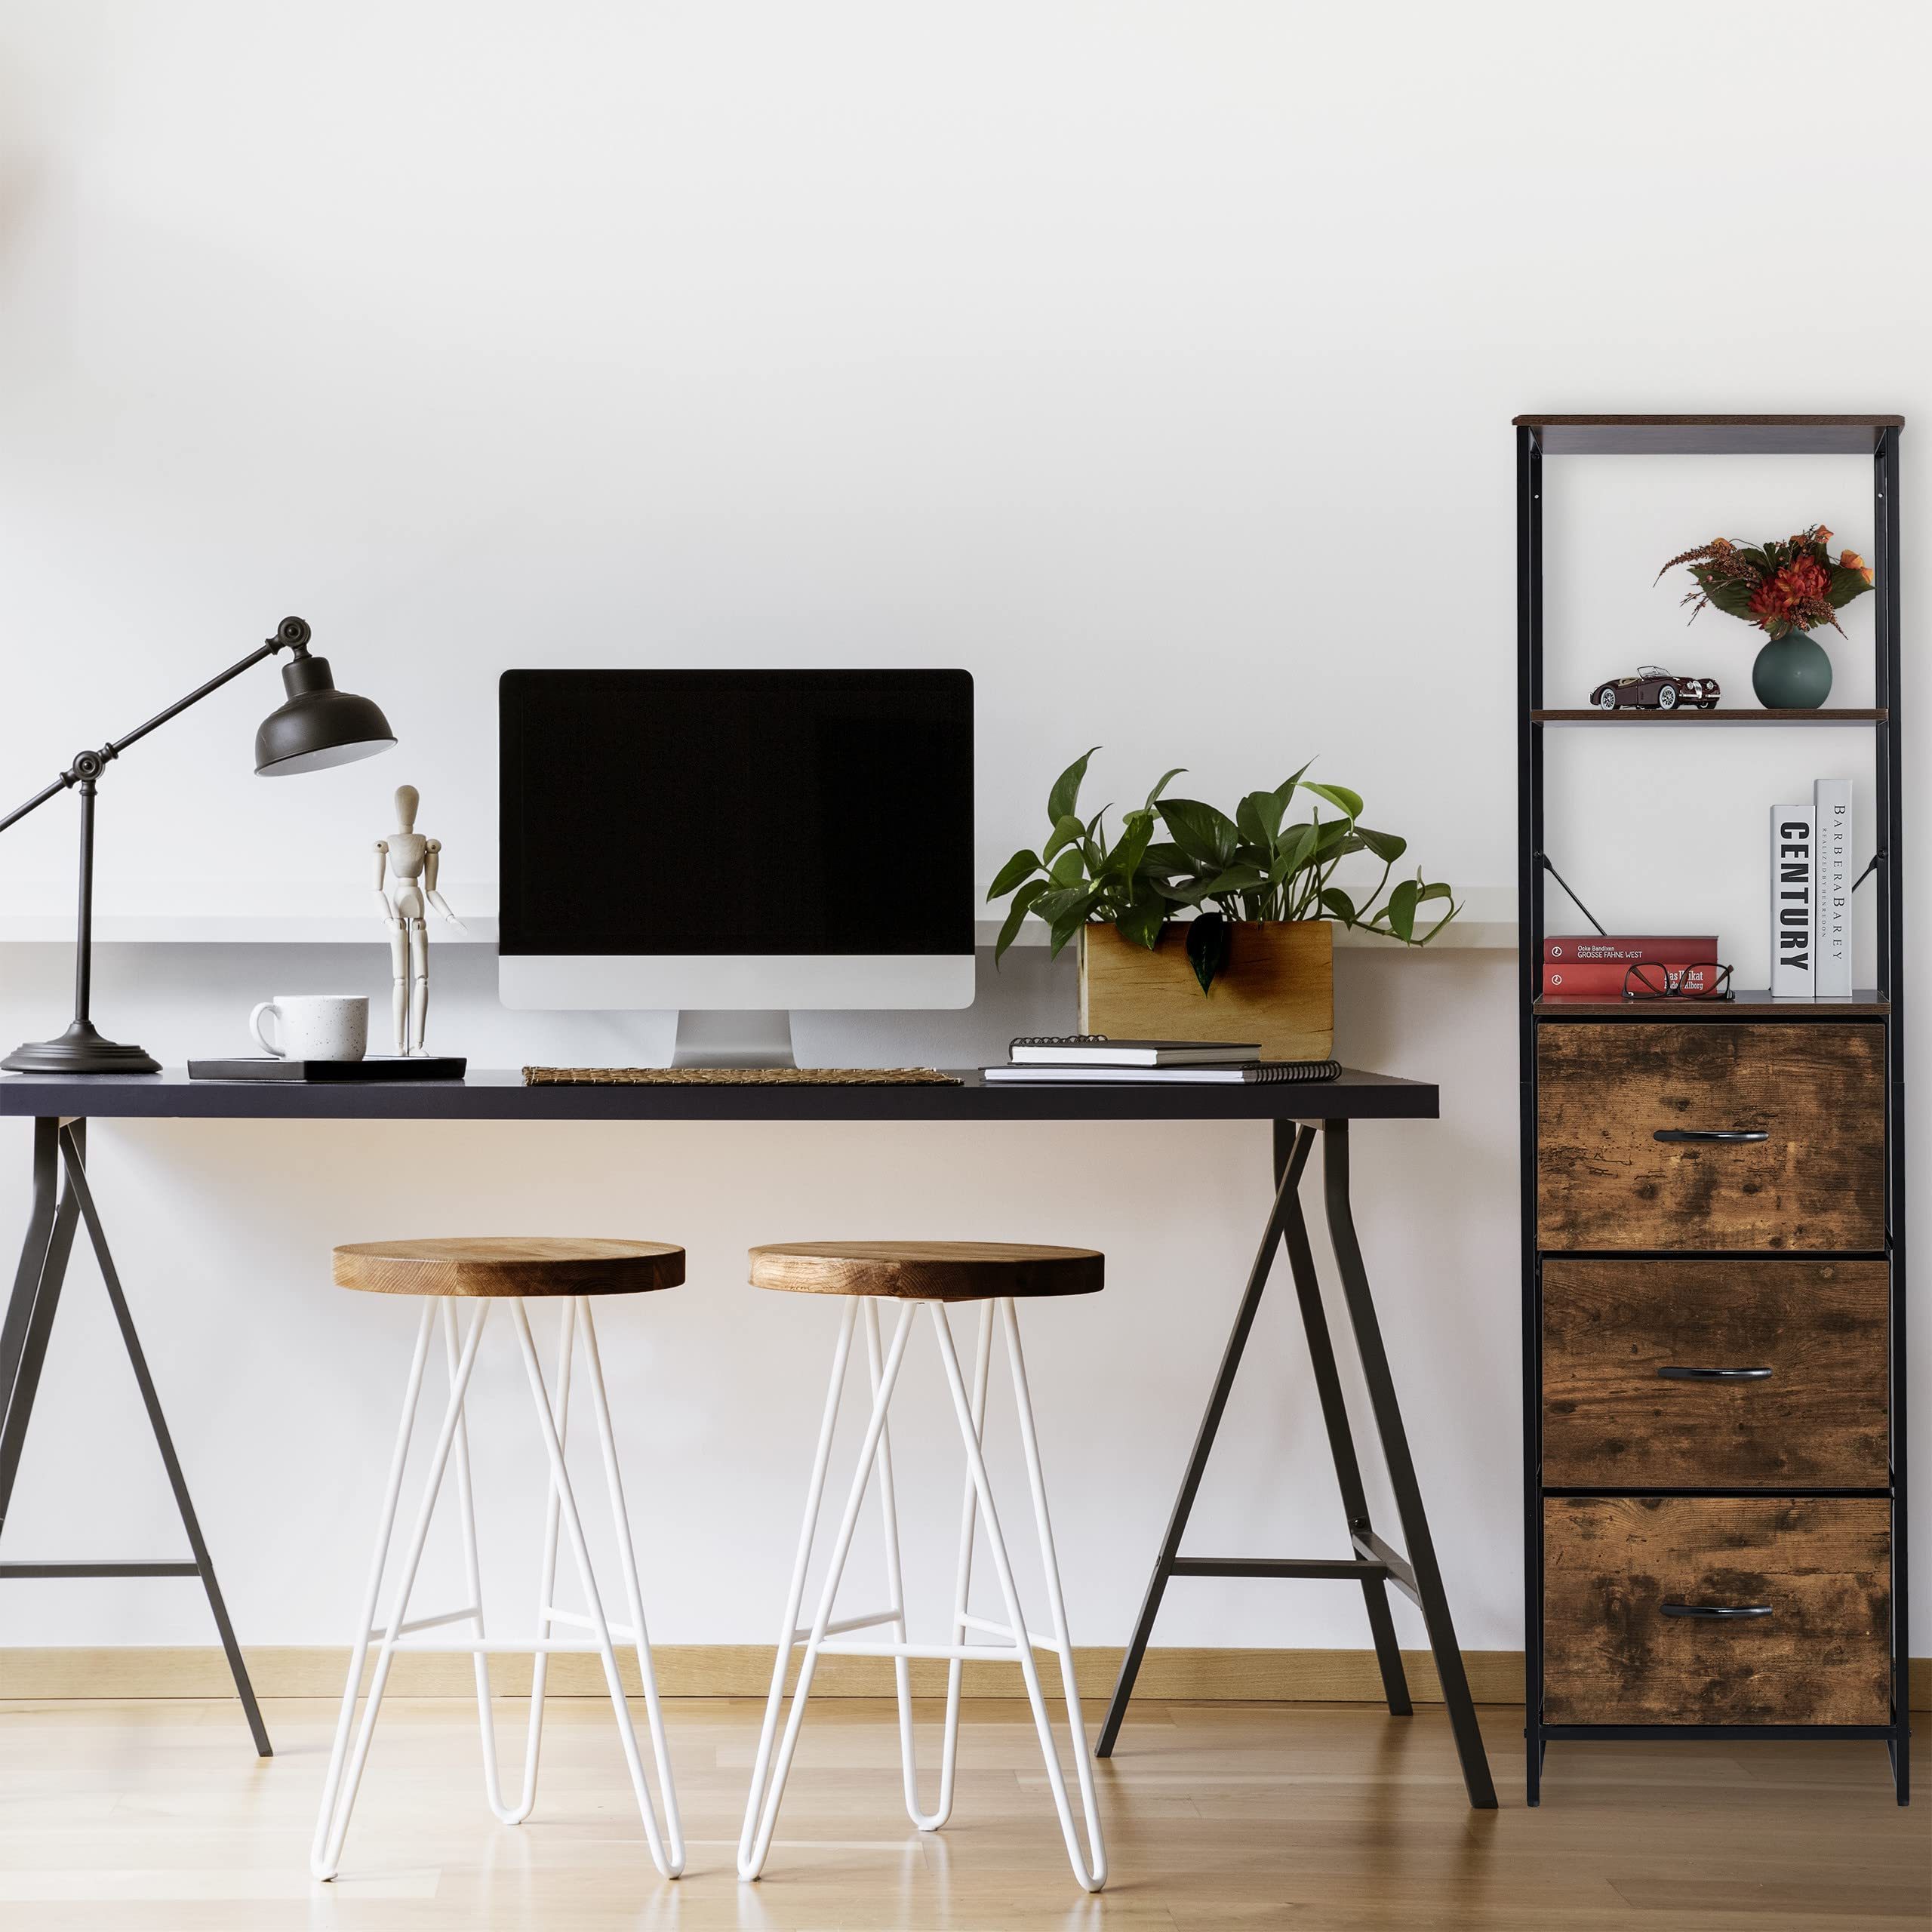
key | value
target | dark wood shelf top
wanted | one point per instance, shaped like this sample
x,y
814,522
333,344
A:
x,y
1742,714
1751,1004
1708,435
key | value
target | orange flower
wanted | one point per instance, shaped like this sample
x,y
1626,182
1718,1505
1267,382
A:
x,y
1851,560
1823,535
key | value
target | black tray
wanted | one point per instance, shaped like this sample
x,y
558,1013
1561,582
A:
x,y
321,1072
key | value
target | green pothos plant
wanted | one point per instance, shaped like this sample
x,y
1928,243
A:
x,y
1259,864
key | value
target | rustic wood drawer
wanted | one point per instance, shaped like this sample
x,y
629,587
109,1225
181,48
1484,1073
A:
x,y
1611,1418
1817,1093
1819,1564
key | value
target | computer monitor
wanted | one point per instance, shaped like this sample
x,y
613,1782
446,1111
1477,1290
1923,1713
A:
x,y
736,843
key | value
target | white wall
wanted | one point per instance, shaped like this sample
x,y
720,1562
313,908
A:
x,y
1154,363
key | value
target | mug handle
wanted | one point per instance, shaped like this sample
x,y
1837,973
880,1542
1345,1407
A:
x,y
255,1026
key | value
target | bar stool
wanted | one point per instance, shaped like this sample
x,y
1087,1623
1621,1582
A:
x,y
486,1272
926,1275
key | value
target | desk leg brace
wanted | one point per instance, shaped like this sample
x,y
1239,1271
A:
x,y
23,1339
1375,1564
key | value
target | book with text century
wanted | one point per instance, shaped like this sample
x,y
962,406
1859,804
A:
x,y
1794,918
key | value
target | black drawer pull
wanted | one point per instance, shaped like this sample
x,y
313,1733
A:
x,y
1715,1611
1725,1134
1675,1374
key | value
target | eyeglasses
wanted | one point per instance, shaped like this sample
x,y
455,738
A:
x,y
1654,982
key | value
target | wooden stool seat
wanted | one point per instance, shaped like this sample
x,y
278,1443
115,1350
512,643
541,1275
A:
x,y
927,1270
499,1266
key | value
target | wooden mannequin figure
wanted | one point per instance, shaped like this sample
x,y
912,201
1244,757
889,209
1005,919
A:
x,y
413,859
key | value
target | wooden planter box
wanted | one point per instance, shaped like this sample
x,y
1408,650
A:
x,y
1278,989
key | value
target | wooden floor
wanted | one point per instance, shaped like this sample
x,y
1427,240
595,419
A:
x,y
157,1817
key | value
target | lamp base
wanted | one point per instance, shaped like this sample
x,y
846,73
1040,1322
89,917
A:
x,y
79,1049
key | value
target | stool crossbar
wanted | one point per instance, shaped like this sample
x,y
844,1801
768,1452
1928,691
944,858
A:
x,y
829,1635
402,1632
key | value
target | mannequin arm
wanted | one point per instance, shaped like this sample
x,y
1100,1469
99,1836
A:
x,y
381,867
432,858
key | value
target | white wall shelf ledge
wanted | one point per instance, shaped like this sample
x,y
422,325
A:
x,y
1487,923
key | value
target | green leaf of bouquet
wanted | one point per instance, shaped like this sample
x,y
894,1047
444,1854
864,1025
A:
x,y
1066,794
1022,865
1845,584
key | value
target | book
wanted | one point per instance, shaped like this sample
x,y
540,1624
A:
x,y
1832,955
1096,1050
1603,980
1256,1073
333,1072
1581,949
1794,840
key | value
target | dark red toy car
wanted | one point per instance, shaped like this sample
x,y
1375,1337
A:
x,y
1655,689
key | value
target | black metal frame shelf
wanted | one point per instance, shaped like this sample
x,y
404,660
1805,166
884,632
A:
x,y
1876,437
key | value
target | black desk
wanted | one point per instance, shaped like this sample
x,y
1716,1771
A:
x,y
60,1107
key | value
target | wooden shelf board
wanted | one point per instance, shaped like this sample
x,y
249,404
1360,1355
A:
x,y
1753,1003
1708,435
1743,714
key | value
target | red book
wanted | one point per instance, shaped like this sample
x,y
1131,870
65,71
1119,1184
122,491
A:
x,y
1605,979
1608,948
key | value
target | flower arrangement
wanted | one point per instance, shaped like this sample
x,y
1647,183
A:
x,y
1794,586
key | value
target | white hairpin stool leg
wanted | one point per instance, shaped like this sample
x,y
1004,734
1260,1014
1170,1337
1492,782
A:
x,y
1091,1874
472,1568
961,1592
546,1581
674,1835
593,1603
359,1652
794,1596
749,1867
337,1827
1083,1755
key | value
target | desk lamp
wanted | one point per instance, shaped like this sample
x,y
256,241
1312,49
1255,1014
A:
x,y
317,726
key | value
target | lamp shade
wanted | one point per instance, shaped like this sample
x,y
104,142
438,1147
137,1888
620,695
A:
x,y
318,726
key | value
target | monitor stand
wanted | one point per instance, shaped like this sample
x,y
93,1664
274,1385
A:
x,y
733,1039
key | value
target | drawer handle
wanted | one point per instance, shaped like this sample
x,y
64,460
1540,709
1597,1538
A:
x,y
1716,1611
1727,1134
1676,1374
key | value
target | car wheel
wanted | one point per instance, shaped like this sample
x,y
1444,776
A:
x,y
1667,698
1606,700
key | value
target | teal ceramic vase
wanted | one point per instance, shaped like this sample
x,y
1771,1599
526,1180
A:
x,y
1792,673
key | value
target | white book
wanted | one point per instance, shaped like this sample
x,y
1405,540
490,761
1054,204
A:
x,y
1831,958
1794,892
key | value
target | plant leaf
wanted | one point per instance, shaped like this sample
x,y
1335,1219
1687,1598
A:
x,y
1385,845
1022,865
1236,878
1066,794
1339,796
1402,909
1338,905
1296,846
1029,891
1066,828
1845,584
1258,816
1069,920
1167,778
1141,921
1070,868
1207,837
1208,945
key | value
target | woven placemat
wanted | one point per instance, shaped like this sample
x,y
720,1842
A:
x,y
738,1076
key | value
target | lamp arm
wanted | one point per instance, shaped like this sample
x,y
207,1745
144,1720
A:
x,y
292,634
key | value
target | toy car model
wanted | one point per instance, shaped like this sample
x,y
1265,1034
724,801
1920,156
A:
x,y
1655,689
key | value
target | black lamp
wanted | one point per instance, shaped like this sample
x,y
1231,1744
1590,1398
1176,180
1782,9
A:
x,y
317,727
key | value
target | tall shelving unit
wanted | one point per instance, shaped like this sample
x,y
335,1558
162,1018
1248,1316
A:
x,y
1668,1673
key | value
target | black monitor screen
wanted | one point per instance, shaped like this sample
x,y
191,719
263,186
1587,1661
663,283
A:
x,y
737,812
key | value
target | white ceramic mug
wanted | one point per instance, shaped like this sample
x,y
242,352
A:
x,y
314,1025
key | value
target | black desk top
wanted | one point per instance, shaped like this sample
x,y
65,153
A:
x,y
501,1095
